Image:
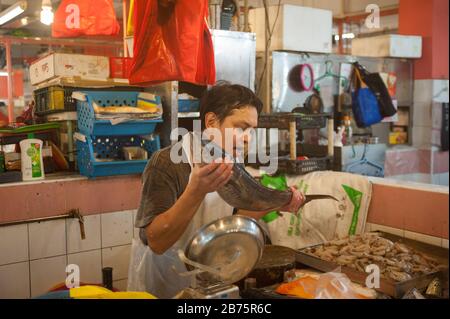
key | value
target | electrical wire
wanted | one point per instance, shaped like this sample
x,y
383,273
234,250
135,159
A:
x,y
268,40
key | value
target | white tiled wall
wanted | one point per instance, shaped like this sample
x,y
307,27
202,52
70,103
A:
x,y
19,251
34,256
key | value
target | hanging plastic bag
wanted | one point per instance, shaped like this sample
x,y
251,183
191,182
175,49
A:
x,y
172,42
365,105
379,89
75,18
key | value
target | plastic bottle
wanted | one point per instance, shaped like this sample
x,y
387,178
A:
x,y
348,130
31,158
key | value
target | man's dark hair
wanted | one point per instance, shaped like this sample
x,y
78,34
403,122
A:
x,y
223,98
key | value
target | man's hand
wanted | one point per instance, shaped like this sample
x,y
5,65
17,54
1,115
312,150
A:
x,y
209,178
298,198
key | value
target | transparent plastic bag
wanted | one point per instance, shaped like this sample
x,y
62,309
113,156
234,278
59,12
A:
x,y
335,285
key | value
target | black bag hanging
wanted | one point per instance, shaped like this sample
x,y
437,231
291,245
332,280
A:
x,y
377,86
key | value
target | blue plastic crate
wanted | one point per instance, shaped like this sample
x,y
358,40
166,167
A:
x,y
188,105
89,125
108,148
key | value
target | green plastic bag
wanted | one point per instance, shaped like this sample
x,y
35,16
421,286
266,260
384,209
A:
x,y
274,182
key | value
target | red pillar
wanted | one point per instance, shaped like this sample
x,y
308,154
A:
x,y
429,19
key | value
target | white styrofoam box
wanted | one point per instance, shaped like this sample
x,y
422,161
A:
x,y
432,240
69,65
92,230
13,244
297,28
118,258
90,265
47,239
121,285
15,281
46,274
390,45
117,228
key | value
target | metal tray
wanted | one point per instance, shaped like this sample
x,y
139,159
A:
x,y
387,286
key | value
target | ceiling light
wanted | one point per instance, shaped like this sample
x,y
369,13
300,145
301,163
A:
x,y
47,12
348,36
13,11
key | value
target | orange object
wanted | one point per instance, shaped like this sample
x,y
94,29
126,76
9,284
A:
x,y
172,42
75,18
303,288
325,286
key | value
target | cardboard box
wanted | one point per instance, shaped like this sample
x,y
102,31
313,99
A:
x,y
69,65
389,45
297,28
398,138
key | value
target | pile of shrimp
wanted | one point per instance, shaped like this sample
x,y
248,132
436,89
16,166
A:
x,y
395,260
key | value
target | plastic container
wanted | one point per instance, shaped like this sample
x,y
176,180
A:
x,y
186,105
104,156
54,99
89,125
32,164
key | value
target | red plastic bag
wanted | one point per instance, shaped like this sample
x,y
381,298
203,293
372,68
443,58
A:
x,y
172,42
85,17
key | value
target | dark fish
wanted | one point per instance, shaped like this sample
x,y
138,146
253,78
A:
x,y
243,191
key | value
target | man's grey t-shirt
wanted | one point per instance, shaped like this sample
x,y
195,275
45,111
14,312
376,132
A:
x,y
163,183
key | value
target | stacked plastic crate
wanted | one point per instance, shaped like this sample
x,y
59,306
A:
x,y
102,144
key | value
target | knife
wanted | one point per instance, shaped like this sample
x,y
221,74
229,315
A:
x,y
309,198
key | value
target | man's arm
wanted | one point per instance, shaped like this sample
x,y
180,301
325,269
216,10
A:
x,y
168,227
297,200
164,231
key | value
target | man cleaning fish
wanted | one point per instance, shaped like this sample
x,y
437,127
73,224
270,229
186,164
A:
x,y
179,198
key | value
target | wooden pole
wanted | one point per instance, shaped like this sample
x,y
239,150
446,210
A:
x,y
331,137
293,139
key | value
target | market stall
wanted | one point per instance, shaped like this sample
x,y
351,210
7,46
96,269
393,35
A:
x,y
324,204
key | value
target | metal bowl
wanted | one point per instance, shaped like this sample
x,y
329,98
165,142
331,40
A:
x,y
233,245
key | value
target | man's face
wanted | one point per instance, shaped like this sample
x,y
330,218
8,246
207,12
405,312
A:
x,y
234,129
